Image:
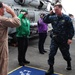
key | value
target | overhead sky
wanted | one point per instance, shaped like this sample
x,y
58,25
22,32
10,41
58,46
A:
x,y
69,6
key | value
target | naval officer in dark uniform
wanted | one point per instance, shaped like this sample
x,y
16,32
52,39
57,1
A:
x,y
62,35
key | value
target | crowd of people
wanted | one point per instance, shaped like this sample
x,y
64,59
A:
x,y
62,27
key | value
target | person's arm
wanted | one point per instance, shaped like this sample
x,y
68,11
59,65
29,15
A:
x,y
10,22
28,27
47,18
20,16
9,10
70,30
41,22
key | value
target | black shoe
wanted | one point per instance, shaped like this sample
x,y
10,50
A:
x,y
69,66
45,51
21,63
26,62
50,71
41,52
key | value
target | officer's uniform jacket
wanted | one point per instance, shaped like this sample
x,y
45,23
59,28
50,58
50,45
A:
x,y
62,26
4,24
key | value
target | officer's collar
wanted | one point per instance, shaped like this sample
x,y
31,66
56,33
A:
x,y
59,17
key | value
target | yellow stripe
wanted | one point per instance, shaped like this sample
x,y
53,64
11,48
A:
x,y
14,70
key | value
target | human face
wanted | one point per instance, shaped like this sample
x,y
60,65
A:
x,y
2,11
58,10
25,15
41,16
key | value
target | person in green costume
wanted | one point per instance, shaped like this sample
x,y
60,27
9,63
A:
x,y
22,34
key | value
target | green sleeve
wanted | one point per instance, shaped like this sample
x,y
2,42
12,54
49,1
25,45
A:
x,y
20,16
29,27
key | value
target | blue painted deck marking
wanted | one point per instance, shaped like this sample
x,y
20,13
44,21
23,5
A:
x,y
25,70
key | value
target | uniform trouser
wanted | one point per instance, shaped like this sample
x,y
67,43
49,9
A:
x,y
4,57
64,48
42,38
22,48
3,66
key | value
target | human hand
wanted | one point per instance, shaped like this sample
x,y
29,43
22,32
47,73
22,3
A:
x,y
52,12
9,10
69,41
23,13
